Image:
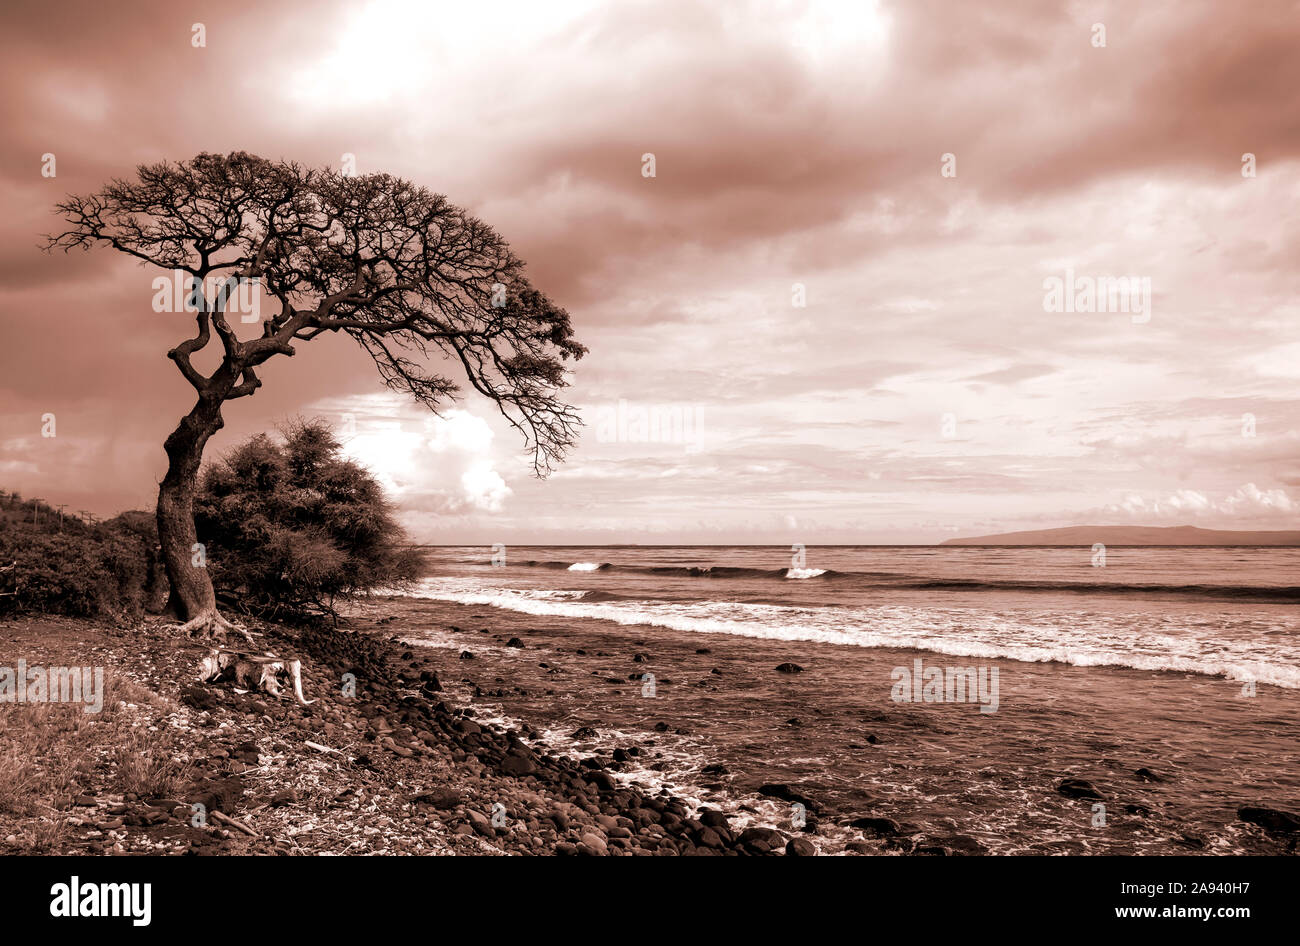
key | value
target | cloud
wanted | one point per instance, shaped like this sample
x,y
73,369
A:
x,y
1246,504
796,142
429,464
1013,373
458,431
483,487
1250,500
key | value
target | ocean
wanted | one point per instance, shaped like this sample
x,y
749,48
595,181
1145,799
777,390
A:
x,y
1227,612
1167,679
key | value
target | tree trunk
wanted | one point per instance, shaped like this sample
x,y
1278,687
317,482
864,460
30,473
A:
x,y
192,598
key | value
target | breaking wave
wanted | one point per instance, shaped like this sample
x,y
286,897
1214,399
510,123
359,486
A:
x,y
902,581
1150,642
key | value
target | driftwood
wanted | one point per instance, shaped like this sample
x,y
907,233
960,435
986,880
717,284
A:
x,y
265,672
233,823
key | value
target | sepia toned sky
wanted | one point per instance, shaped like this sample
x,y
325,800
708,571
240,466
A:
x,y
854,342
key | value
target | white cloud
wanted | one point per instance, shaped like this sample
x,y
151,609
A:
x,y
1247,502
483,487
1251,500
447,467
458,430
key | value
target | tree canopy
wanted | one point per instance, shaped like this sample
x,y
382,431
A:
x,y
397,267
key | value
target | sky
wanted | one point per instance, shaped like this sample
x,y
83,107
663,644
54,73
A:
x,y
817,250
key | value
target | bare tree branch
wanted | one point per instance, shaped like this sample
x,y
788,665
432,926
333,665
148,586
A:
x,y
412,278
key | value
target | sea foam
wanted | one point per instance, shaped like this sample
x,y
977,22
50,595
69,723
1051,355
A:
x,y
1140,642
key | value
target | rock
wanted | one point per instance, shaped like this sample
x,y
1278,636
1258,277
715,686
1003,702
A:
x,y
585,732
393,747
517,764
592,844
1270,819
245,752
712,818
1146,775
959,844
789,668
887,827
217,795
466,655
431,682
514,642
786,793
444,799
1079,788
640,659
800,847
714,768
199,697
711,839
761,840
703,650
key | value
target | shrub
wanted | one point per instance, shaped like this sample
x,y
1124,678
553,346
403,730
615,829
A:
x,y
73,568
291,525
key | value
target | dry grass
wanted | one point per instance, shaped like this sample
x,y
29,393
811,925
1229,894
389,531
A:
x,y
50,752
18,782
142,770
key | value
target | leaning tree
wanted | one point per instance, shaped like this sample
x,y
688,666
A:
x,y
400,269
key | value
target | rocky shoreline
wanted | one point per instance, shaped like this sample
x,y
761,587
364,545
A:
x,y
389,768
523,799
403,752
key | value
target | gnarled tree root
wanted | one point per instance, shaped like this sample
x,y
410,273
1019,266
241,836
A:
x,y
210,623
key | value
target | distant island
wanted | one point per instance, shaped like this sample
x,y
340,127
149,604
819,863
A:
x,y
1133,535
